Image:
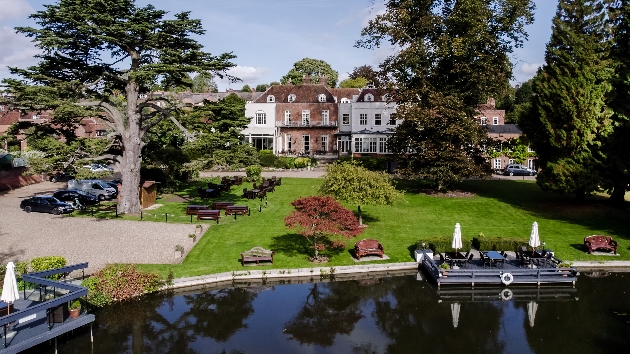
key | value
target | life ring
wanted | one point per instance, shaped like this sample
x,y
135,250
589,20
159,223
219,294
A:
x,y
506,294
507,278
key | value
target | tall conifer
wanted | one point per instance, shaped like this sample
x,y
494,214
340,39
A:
x,y
569,119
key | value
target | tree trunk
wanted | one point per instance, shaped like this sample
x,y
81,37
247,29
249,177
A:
x,y
618,195
132,156
315,246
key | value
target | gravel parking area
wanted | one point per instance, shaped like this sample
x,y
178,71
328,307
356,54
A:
x,y
97,241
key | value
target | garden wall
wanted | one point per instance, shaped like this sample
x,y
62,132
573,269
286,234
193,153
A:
x,y
14,178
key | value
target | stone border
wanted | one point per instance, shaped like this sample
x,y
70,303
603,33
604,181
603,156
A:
x,y
264,274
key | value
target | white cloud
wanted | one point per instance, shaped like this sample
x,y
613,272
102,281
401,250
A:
x,y
343,76
17,50
248,74
14,9
529,69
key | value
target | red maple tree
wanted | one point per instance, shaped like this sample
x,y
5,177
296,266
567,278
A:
x,y
323,221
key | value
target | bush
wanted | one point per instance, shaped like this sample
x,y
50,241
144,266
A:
x,y
50,262
267,160
253,172
265,152
442,244
119,282
495,243
302,162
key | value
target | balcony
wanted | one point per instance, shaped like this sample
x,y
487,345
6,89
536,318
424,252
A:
x,y
300,124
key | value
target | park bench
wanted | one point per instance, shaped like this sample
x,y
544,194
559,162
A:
x,y
209,214
595,242
256,254
221,205
193,209
368,246
237,210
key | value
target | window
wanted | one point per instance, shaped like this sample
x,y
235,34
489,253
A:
x,y
377,119
287,117
101,132
382,145
372,144
261,118
345,118
345,100
291,98
484,121
325,143
306,117
363,119
365,144
369,97
358,144
36,116
495,120
497,164
306,142
321,97
529,149
530,164
271,98
142,96
510,161
392,119
288,142
325,117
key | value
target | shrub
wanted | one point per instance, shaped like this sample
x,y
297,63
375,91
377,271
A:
x,y
119,282
442,244
268,160
302,162
496,243
50,262
265,152
253,172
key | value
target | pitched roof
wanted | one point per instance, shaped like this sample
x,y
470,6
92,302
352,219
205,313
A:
x,y
376,92
504,129
10,117
344,92
304,93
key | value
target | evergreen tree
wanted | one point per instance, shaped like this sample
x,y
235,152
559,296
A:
x,y
617,166
452,55
569,119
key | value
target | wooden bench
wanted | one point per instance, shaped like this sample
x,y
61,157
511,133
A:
x,y
368,246
256,254
209,214
193,209
221,205
595,242
237,209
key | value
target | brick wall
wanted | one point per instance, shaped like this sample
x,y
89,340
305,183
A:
x,y
14,178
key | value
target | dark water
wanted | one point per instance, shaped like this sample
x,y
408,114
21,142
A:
x,y
375,315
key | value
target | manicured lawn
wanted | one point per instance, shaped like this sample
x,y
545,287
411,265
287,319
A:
x,y
499,208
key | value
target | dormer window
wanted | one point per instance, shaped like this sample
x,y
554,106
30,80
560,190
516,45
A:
x,y
321,97
385,98
369,97
291,98
271,98
142,96
484,121
345,100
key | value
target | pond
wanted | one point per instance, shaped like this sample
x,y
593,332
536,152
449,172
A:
x,y
390,314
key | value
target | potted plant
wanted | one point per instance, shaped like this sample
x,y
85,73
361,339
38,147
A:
x,y
75,308
445,267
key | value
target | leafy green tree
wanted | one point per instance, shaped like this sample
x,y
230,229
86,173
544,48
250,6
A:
x,y
354,184
92,49
313,67
452,56
359,82
616,169
261,88
274,83
204,82
569,119
367,72
246,88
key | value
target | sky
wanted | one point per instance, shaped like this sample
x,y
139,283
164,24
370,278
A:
x,y
269,36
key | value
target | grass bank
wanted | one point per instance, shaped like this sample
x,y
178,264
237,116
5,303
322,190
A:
x,y
498,208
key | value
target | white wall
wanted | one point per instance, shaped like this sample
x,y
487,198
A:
x,y
372,108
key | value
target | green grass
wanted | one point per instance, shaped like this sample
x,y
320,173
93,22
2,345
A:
x,y
499,208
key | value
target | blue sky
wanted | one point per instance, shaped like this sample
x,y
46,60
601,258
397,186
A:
x,y
268,36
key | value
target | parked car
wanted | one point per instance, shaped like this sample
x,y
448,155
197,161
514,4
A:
x,y
60,177
46,204
518,170
93,186
71,195
113,185
97,167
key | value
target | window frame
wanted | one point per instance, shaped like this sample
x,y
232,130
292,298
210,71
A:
x,y
363,118
306,117
261,117
345,118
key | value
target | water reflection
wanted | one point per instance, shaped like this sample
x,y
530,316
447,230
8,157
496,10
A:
x,y
375,315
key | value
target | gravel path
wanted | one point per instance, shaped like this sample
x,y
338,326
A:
x,y
97,241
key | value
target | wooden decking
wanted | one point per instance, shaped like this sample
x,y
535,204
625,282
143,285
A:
x,y
476,274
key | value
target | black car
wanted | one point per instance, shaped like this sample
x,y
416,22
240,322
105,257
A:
x,y
71,195
60,177
46,204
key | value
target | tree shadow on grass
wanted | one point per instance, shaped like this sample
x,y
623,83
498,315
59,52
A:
x,y
367,218
293,245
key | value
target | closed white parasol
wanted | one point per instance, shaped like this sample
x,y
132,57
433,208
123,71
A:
x,y
534,239
455,312
9,289
457,237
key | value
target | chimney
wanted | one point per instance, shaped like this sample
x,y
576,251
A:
x,y
323,79
306,79
252,90
230,90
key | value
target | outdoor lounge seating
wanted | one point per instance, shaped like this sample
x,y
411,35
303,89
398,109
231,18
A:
x,y
257,254
595,242
368,246
209,214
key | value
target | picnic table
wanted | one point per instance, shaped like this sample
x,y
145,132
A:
x,y
193,209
